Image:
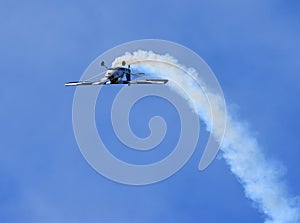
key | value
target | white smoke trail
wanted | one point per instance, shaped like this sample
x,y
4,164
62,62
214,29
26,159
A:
x,y
261,178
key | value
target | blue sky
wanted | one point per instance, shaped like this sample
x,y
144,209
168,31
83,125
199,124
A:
x,y
253,48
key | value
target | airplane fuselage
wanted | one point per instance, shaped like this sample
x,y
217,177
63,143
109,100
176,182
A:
x,y
116,75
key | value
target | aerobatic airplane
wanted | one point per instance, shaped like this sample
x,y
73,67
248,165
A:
x,y
116,75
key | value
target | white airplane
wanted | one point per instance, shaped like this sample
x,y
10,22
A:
x,y
116,75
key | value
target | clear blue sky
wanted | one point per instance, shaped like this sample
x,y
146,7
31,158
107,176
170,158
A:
x,y
253,48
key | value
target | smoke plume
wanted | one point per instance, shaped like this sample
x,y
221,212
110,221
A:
x,y
261,178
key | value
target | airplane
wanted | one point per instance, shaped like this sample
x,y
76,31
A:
x,y
115,75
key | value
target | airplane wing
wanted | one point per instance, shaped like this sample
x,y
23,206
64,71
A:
x,y
104,82
82,83
150,81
